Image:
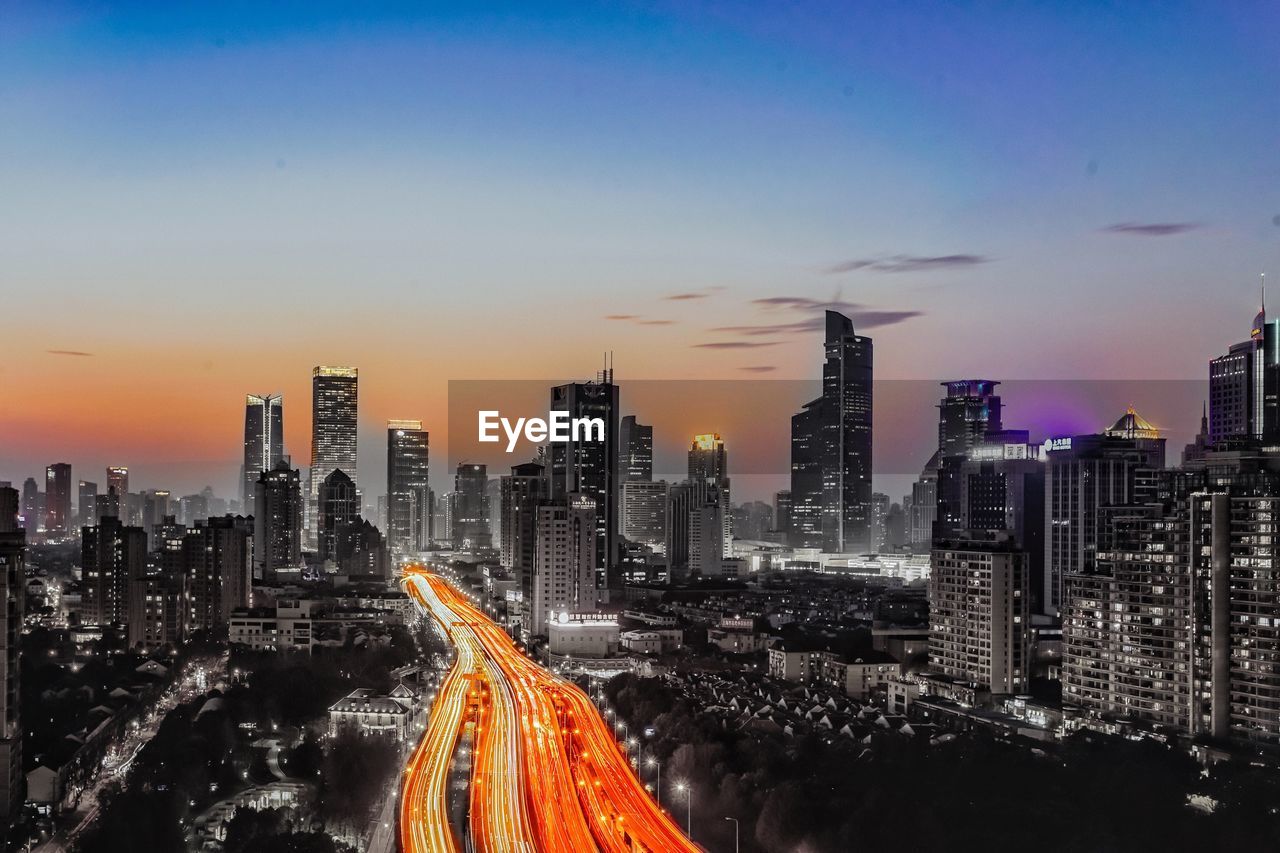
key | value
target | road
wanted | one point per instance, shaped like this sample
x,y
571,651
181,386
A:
x,y
548,773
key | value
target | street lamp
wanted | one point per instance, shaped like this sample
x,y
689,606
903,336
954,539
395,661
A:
x,y
735,833
687,790
657,790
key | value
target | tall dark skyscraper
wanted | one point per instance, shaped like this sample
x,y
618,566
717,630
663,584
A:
x,y
831,449
263,442
334,404
12,577
31,505
118,485
111,555
590,468
277,525
217,554
86,508
408,495
339,506
470,517
968,414
57,498
635,450
522,492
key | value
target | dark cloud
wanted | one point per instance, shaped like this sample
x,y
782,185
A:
x,y
655,322
909,263
735,344
621,316
815,324
1151,229
680,297
67,352
875,319
758,368
863,316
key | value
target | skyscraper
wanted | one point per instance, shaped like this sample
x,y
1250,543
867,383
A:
x,y
111,555
277,525
564,578
644,513
590,468
87,505
470,516
12,579
217,554
831,448
408,501
968,413
338,507
31,500
709,463
263,442
118,485
57,498
334,405
635,449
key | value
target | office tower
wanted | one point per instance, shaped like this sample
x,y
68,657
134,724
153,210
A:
x,y
361,549
155,506
470,508
895,528
979,613
218,555
118,484
88,504
263,442
644,513
522,492
635,450
693,507
493,503
31,515
968,412
334,404
13,577
831,448
709,463
1084,473
564,574
111,555
408,505
1001,487
277,526
57,498
589,467
782,511
339,506
879,512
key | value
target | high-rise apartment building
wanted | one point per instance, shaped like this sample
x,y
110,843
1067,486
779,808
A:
x,y
408,493
522,491
218,558
87,505
277,524
111,555
564,575
339,506
32,506
118,485
644,513
979,614
831,448
263,443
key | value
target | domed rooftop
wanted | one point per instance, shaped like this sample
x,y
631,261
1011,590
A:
x,y
1132,425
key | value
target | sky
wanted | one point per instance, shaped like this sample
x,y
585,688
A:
x,y
205,200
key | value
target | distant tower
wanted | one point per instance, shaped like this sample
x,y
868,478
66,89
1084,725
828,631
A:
x,y
339,507
471,531
57,498
263,442
635,450
831,448
334,405
408,495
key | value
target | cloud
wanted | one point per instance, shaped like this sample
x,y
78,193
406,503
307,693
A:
x,y
758,368
638,320
909,263
68,352
680,297
621,317
1151,229
863,316
735,344
655,322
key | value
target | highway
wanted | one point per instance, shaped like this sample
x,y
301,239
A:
x,y
548,774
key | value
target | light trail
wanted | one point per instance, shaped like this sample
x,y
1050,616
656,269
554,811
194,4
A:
x,y
548,773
